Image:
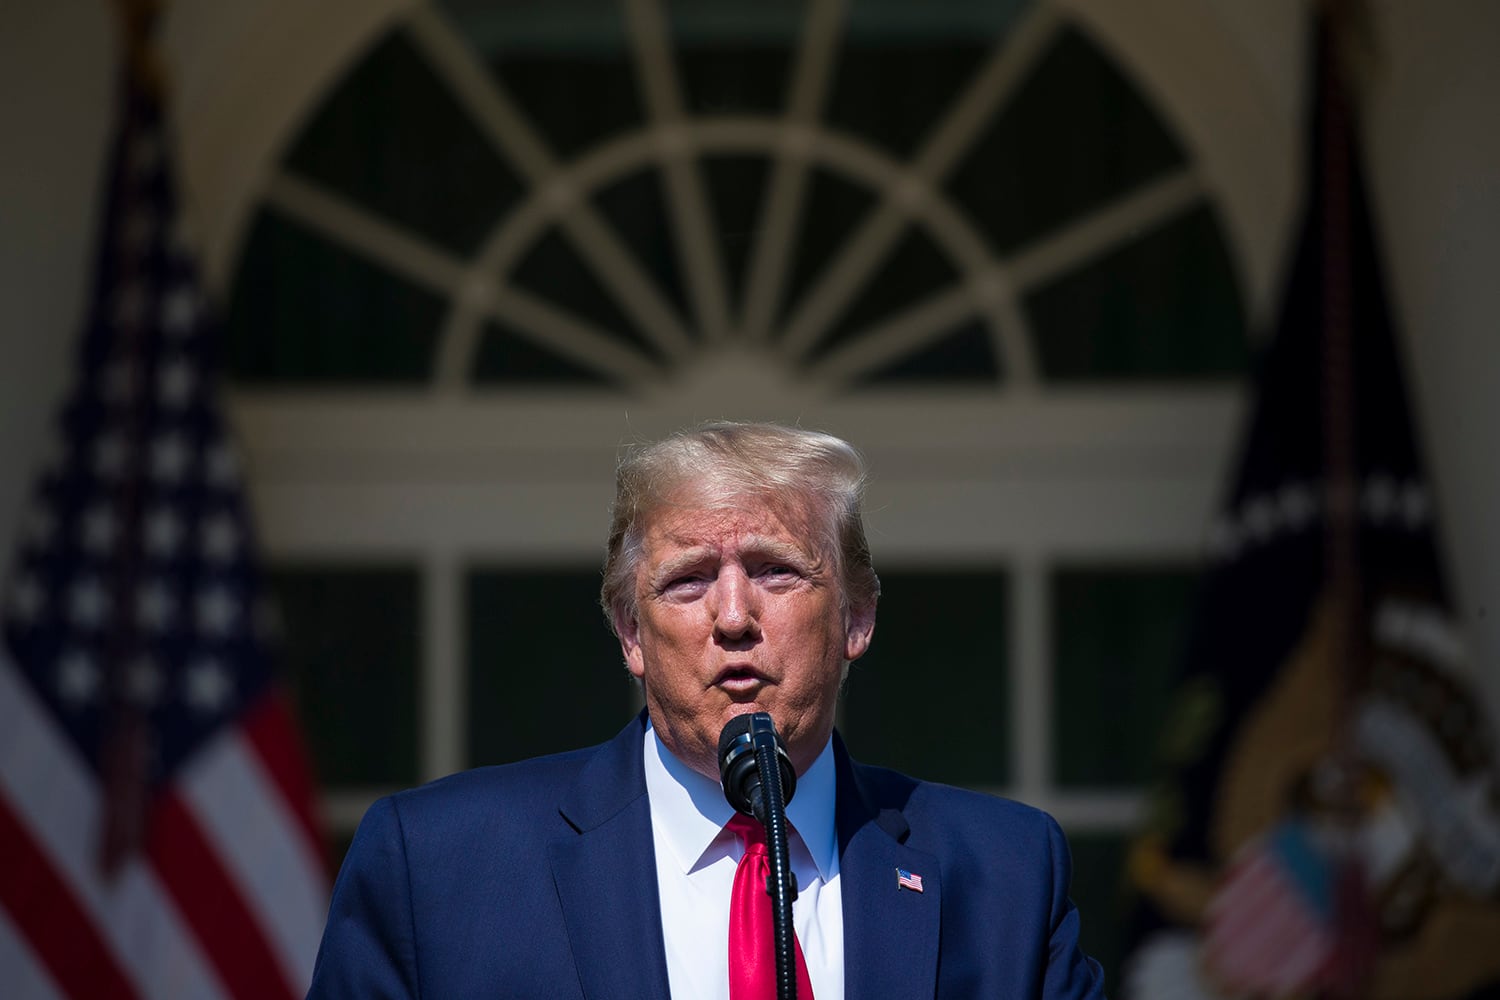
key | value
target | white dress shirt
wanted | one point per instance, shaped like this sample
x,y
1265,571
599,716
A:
x,y
695,862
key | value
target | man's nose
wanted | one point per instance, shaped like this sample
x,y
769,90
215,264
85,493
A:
x,y
735,603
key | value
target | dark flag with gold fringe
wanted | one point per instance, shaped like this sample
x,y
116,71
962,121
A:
x,y
1328,823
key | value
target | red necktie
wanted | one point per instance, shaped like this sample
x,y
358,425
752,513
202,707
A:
x,y
752,945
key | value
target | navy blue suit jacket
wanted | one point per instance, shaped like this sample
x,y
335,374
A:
x,y
538,879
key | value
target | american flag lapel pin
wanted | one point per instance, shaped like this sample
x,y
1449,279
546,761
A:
x,y
908,880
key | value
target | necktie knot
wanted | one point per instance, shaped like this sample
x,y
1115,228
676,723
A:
x,y
749,831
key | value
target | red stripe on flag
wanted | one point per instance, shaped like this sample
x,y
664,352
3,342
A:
x,y
268,726
211,904
64,937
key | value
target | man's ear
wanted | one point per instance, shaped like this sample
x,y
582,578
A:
x,y
859,631
628,628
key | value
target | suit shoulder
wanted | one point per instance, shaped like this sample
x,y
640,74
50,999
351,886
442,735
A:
x,y
519,787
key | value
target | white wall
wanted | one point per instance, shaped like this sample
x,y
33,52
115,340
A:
x,y
55,71
1434,143
1434,157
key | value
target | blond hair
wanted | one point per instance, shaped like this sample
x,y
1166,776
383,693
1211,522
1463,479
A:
x,y
723,464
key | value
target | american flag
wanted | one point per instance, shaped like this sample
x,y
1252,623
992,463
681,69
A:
x,y
1289,918
1268,927
907,880
156,812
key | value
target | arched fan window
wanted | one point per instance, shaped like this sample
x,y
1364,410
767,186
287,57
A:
x,y
513,234
594,195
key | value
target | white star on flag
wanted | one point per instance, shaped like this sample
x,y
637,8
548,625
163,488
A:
x,y
223,466
174,387
87,604
1260,518
1415,505
180,311
217,611
220,538
209,686
1379,498
169,458
98,529
78,679
1297,505
163,532
155,607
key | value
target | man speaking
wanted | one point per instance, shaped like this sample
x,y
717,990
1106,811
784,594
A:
x,y
738,580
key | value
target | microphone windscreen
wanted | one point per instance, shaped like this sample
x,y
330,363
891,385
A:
x,y
733,730
739,772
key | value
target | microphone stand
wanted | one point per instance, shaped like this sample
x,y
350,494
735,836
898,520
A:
x,y
758,779
781,885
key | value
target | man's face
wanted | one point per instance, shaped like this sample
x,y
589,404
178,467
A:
x,y
739,611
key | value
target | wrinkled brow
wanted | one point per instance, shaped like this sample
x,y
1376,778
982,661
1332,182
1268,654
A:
x,y
757,546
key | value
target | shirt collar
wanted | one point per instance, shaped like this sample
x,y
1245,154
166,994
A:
x,y
689,810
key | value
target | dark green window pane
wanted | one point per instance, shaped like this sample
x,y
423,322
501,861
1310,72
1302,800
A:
x,y
735,185
892,92
391,137
734,58
351,651
1116,641
831,208
529,25
1075,137
932,696
914,271
1099,893
308,311
545,672
636,208
553,270
719,79
903,65
1166,306
508,358
965,354
567,64
576,100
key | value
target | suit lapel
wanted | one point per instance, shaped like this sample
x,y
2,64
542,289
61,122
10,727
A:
x,y
891,934
606,876
606,881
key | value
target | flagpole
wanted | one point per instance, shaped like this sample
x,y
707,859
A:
x,y
142,59
125,763
1344,24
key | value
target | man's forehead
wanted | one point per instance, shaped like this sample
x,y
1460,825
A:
x,y
712,528
689,524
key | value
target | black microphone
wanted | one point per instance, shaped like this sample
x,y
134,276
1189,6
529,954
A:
x,y
758,780
741,778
